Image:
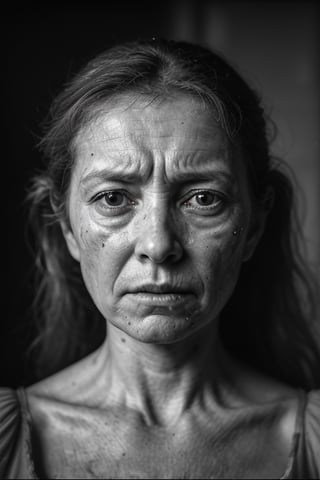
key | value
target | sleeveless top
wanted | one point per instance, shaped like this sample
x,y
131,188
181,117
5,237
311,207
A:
x,y
16,458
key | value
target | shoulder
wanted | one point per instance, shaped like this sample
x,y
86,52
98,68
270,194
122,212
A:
x,y
65,409
72,391
312,416
9,405
304,456
75,384
294,415
9,426
308,454
14,460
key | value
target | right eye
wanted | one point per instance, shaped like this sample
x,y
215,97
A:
x,y
113,201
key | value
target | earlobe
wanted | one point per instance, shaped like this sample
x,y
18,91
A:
x,y
71,241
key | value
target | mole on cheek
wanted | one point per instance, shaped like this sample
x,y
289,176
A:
x,y
83,232
86,237
234,248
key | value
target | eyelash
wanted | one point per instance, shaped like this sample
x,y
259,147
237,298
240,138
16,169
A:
x,y
218,206
103,195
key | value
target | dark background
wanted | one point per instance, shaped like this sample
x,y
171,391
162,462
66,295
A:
x,y
276,44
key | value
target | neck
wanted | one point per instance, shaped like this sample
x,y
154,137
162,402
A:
x,y
161,381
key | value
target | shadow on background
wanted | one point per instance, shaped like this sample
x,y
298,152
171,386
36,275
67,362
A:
x,y
274,44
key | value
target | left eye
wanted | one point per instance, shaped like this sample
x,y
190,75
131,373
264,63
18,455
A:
x,y
204,199
115,199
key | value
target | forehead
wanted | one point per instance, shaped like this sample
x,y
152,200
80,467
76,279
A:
x,y
180,130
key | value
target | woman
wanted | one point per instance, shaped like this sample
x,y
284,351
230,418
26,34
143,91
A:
x,y
162,210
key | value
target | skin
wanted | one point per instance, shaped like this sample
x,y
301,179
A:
x,y
157,159
156,193
160,234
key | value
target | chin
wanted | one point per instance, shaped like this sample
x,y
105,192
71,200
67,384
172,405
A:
x,y
161,329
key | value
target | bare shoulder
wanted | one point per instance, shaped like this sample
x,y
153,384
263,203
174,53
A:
x,y
66,413
261,388
73,385
270,406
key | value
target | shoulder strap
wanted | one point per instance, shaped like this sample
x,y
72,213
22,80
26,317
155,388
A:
x,y
298,432
306,460
24,404
26,434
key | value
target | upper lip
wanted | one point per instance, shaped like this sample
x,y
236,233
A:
x,y
159,288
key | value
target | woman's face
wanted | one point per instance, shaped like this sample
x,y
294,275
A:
x,y
156,194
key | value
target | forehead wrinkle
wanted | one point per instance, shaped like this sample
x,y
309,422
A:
x,y
139,130
124,155
134,144
128,167
200,158
101,131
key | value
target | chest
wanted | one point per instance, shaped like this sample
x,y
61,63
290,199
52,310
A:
x,y
115,446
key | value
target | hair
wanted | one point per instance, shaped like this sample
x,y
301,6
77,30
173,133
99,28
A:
x,y
269,319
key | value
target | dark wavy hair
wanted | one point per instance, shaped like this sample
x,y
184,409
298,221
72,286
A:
x,y
269,320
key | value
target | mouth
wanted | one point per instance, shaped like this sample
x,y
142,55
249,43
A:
x,y
160,289
161,295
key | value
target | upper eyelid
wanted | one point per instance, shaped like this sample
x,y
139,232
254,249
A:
x,y
196,191
123,184
105,192
220,204
96,200
182,197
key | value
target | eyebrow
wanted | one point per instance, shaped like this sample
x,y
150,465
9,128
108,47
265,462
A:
x,y
198,175
135,177
111,175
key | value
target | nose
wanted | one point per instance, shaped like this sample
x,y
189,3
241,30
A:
x,y
157,240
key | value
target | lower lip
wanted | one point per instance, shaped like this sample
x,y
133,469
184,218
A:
x,y
161,299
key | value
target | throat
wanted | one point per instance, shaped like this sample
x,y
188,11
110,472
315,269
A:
x,y
161,382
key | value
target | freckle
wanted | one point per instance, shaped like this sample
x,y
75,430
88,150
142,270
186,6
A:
x,y
103,245
129,323
92,154
124,454
86,231
123,340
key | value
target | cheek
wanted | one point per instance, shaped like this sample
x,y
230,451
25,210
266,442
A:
x,y
102,254
93,238
91,243
220,258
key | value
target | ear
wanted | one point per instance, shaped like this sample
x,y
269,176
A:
x,y
71,241
257,225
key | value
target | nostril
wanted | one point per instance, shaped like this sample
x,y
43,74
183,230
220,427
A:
x,y
158,249
157,235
